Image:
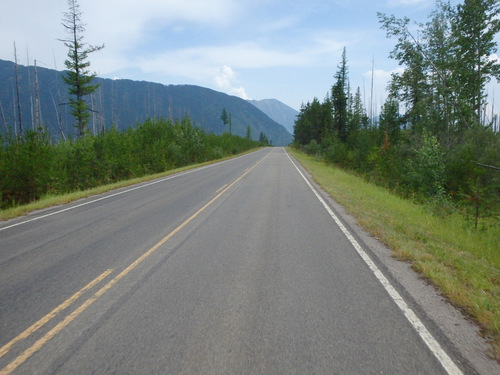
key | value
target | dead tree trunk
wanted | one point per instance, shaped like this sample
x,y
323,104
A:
x,y
18,97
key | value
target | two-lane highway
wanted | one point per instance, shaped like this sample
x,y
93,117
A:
x,y
236,267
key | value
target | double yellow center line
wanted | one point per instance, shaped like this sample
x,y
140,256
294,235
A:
x,y
60,326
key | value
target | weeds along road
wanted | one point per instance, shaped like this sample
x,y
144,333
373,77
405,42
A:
x,y
234,268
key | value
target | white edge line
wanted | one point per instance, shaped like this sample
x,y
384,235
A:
x,y
119,193
450,367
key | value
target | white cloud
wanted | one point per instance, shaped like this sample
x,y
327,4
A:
x,y
130,15
381,79
196,61
128,26
382,76
201,63
495,58
225,81
123,26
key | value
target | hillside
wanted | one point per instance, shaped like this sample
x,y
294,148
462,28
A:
x,y
277,111
123,103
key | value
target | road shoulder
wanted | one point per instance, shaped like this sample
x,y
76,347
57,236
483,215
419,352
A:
x,y
451,328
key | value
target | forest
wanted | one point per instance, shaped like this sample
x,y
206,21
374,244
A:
x,y
436,140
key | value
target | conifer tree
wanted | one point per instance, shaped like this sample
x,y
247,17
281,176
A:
x,y
78,77
224,117
340,97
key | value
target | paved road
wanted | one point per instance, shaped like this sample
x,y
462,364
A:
x,y
235,268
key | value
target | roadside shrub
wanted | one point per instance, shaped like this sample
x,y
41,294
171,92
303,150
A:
x,y
32,166
312,148
425,168
336,152
25,167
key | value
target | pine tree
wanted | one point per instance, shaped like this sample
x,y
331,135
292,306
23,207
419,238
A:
x,y
249,132
224,117
340,97
390,120
78,77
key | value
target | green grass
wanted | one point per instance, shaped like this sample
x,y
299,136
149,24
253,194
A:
x,y
55,200
462,262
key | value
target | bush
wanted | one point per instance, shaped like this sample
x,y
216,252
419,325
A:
x,y
425,169
336,151
31,166
25,167
312,148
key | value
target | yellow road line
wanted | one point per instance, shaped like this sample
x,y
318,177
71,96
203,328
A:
x,y
33,328
54,331
221,188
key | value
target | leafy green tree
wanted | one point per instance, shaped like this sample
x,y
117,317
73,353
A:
x,y
474,29
446,70
426,168
436,47
78,77
409,87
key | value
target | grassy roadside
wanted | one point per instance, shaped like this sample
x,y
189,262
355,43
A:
x,y
463,263
55,200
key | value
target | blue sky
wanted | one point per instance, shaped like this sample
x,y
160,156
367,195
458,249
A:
x,y
258,49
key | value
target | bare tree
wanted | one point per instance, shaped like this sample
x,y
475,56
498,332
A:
x,y
38,108
18,97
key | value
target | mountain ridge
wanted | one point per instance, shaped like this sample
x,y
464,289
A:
x,y
123,103
277,111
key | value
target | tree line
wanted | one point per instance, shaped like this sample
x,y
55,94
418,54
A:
x,y
32,166
435,140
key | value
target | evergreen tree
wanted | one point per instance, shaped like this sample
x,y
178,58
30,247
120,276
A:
x,y
224,117
390,120
249,132
78,77
302,130
340,97
358,119
263,140
314,122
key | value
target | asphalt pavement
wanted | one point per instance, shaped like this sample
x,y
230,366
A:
x,y
233,268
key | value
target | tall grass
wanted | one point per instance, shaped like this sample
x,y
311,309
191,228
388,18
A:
x,y
462,262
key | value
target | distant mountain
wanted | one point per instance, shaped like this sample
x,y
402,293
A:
x,y
278,111
123,103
